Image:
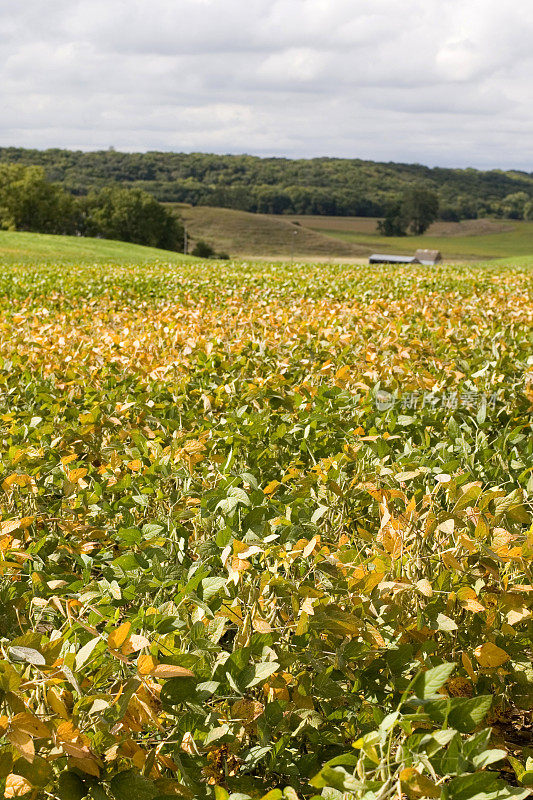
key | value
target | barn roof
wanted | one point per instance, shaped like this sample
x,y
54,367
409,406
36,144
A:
x,y
428,257
387,258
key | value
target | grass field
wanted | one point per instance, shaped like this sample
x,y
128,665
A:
x,y
242,234
265,529
469,239
30,248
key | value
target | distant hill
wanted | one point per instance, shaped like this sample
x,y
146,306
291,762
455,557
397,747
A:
x,y
324,186
242,234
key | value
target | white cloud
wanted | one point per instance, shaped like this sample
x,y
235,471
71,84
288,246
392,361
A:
x,y
436,81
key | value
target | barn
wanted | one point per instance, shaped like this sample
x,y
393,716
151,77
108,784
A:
x,y
387,258
428,257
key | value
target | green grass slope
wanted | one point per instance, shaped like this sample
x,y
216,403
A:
x,y
472,239
241,233
30,248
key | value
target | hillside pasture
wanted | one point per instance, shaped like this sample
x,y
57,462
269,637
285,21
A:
x,y
242,234
469,239
34,248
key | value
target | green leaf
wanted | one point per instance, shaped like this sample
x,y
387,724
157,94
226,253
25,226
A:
x,y
129,784
177,690
211,587
319,513
98,792
527,777
28,654
257,673
6,762
428,683
467,713
70,787
446,624
335,778
488,757
38,773
84,652
289,793
220,734
482,786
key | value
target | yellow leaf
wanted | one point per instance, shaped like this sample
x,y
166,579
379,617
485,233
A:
x,y
16,786
471,604
416,785
56,704
76,474
490,655
239,564
171,671
67,732
145,664
23,743
135,465
451,562
271,487
87,765
247,710
30,724
10,525
342,373
261,625
117,637
67,459
424,587
308,549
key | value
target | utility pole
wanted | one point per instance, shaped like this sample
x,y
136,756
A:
x,y
294,233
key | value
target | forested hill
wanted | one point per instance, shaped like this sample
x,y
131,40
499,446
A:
x,y
331,186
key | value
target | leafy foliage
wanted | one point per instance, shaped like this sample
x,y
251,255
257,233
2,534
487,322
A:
x,y
324,186
228,568
417,209
28,202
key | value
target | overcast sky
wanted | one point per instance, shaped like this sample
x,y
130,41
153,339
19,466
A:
x,y
441,82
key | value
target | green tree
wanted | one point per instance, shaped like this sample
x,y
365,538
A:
x,y
414,212
514,205
419,207
28,202
394,222
203,249
132,215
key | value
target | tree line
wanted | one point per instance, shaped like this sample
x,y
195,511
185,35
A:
x,y
326,186
30,202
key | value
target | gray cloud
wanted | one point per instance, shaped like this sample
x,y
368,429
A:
x,y
436,81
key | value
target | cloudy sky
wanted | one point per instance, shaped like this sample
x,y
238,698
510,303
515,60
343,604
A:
x,y
441,82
